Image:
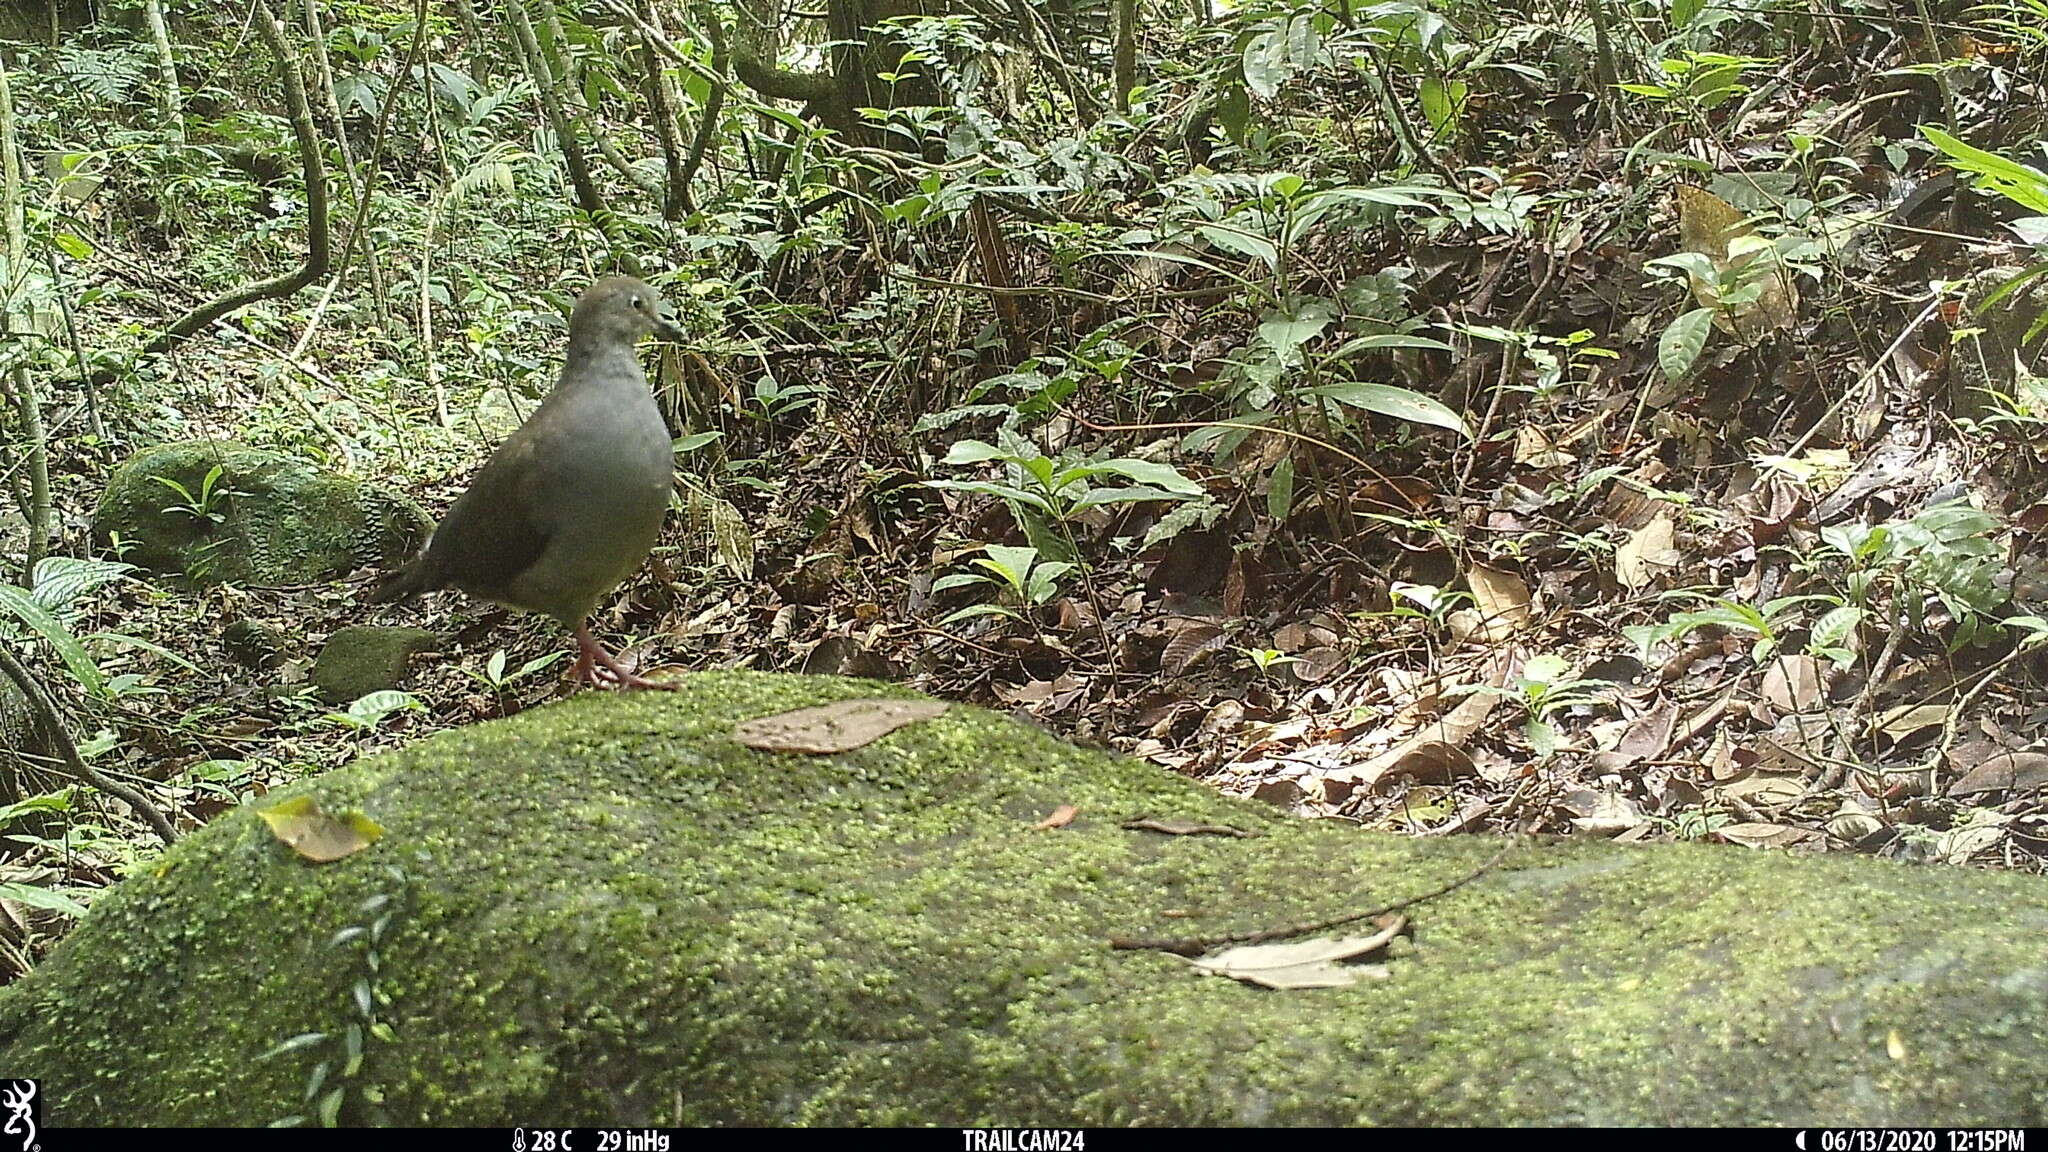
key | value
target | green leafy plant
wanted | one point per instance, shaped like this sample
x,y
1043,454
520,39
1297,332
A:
x,y
1046,493
206,504
331,1080
494,676
1699,81
1767,623
1426,602
1543,687
47,609
367,712
2023,185
1267,659
1947,552
1017,573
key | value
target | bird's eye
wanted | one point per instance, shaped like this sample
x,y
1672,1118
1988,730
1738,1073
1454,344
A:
x,y
637,303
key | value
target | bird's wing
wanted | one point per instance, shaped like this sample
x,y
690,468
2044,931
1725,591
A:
x,y
489,536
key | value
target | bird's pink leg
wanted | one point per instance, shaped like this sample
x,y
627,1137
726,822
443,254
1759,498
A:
x,y
593,653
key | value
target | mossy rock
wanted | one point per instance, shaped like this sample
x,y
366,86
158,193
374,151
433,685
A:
x,y
257,643
366,658
606,911
280,520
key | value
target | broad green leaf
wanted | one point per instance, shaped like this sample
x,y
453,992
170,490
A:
x,y
988,488
980,610
972,452
1443,102
1302,41
1679,348
1389,340
695,441
1399,403
43,898
1280,489
60,580
2025,186
1013,562
1108,497
1151,473
1265,63
1286,331
1241,242
29,612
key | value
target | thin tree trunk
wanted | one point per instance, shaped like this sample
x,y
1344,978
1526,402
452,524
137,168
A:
x,y
479,41
318,247
1605,69
566,73
587,196
661,108
92,392
171,99
36,443
323,73
1126,52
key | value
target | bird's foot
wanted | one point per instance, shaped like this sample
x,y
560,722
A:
x,y
599,669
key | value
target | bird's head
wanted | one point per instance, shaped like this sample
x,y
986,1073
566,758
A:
x,y
621,309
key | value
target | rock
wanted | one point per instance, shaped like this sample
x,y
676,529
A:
x,y
270,518
499,412
255,644
366,658
605,911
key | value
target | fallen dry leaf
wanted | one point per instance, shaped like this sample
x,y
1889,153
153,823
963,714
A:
x,y
1901,722
1648,553
839,727
1503,600
1304,963
1794,683
1647,738
300,825
1060,818
1763,835
1602,813
2005,772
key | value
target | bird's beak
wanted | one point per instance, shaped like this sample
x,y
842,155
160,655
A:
x,y
665,324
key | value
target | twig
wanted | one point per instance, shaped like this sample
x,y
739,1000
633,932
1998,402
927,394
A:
x,y
1196,945
53,724
1876,366
1084,422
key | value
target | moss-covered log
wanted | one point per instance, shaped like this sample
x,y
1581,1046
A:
x,y
607,911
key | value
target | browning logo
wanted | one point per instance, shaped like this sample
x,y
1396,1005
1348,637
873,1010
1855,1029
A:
x,y
22,1108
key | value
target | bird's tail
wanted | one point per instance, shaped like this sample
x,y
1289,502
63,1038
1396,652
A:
x,y
406,583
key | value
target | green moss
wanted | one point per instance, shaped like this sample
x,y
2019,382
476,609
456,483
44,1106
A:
x,y
611,913
280,519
